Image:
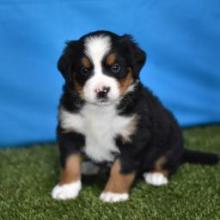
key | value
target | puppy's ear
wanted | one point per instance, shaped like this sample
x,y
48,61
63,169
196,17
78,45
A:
x,y
135,53
66,61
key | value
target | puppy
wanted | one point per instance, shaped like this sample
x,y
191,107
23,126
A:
x,y
107,115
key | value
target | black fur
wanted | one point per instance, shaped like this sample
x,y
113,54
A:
x,y
158,133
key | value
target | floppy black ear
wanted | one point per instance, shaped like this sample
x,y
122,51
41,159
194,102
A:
x,y
66,61
137,55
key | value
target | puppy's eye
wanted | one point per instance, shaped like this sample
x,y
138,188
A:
x,y
115,68
84,71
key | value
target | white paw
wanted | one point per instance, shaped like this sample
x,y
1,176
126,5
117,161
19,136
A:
x,y
155,179
89,168
114,197
66,191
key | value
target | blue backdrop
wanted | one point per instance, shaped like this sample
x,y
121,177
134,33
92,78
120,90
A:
x,y
182,39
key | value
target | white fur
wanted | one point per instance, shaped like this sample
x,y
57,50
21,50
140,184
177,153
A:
x,y
89,168
96,48
98,82
70,121
131,88
100,125
66,191
155,178
114,197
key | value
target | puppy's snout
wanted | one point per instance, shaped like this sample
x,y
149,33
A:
x,y
102,93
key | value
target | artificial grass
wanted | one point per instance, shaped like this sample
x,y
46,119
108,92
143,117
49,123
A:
x,y
27,176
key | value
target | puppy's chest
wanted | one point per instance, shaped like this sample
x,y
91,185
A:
x,y
100,127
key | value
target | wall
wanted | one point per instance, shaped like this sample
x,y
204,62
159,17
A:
x,y
182,40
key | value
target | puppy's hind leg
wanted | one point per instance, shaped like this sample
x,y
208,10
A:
x,y
159,175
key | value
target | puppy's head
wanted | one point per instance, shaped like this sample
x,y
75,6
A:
x,y
101,66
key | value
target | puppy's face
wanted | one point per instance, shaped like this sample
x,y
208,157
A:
x,y
101,66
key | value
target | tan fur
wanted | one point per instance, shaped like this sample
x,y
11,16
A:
x,y
110,59
159,165
119,183
126,82
71,171
79,89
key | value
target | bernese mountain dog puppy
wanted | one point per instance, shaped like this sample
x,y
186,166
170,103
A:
x,y
107,116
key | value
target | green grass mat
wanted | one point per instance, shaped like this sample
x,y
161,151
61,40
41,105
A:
x,y
27,176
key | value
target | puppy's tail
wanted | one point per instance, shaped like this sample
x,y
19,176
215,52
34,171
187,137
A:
x,y
197,157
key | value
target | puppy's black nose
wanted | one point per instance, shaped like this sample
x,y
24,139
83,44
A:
x,y
102,94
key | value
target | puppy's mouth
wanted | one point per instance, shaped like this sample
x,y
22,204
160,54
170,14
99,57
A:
x,y
103,101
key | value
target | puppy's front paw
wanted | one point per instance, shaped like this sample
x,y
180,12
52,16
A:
x,y
114,197
66,191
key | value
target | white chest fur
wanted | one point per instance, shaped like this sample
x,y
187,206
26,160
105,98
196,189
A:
x,y
100,125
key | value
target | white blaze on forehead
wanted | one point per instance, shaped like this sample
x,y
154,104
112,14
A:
x,y
96,48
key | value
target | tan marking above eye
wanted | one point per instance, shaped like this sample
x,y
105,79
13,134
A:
x,y
86,62
110,59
